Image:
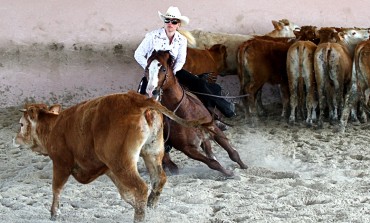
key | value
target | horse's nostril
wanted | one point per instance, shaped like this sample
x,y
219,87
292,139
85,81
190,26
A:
x,y
155,92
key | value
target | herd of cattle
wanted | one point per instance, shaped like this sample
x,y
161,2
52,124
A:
x,y
319,70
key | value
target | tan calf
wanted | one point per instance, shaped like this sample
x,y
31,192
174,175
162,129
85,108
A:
x,y
301,75
105,135
360,83
333,66
263,60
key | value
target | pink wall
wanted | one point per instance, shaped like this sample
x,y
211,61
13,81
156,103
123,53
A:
x,y
67,51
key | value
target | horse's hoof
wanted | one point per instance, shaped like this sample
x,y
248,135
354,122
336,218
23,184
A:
x,y
228,173
244,167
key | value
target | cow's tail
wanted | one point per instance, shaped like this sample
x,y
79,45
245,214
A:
x,y
359,77
192,43
301,56
240,68
356,69
243,71
328,68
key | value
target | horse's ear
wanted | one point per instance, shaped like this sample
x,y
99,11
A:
x,y
170,57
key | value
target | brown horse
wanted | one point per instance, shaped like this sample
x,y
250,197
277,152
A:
x,y
162,80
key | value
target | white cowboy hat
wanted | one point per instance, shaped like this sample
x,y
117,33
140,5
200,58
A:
x,y
174,13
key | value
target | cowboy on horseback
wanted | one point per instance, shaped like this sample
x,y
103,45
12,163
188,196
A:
x,y
171,38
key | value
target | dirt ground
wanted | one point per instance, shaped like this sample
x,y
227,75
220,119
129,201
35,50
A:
x,y
296,174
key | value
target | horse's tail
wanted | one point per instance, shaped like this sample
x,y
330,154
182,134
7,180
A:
x,y
192,43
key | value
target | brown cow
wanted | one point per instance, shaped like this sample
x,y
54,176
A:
x,y
360,83
301,75
210,61
105,135
263,60
333,66
282,28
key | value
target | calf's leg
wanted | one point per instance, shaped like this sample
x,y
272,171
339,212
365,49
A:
x,y
60,177
131,187
153,163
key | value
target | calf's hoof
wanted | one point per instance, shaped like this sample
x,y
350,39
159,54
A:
x,y
153,199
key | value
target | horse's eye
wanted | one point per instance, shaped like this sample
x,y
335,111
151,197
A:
x,y
163,69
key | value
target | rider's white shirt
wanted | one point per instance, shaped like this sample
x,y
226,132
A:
x,y
158,40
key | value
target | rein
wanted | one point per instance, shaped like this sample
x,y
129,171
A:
x,y
174,111
217,96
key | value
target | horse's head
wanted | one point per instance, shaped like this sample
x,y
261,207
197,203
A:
x,y
157,71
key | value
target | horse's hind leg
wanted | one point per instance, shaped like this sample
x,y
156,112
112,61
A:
x,y
168,163
193,153
207,148
221,139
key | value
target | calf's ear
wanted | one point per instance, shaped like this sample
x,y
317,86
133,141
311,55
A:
x,y
277,25
56,109
33,112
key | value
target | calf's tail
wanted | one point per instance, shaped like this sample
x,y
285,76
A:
x,y
202,123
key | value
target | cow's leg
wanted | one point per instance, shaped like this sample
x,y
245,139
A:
x,y
261,111
363,115
337,102
60,177
284,89
310,99
355,110
153,163
252,90
363,101
331,101
244,100
131,187
309,106
293,98
349,101
354,118
322,104
221,139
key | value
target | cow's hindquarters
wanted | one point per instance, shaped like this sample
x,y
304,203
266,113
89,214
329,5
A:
x,y
148,143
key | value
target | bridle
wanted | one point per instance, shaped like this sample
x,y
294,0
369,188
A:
x,y
157,93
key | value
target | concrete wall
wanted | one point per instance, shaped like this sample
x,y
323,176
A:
x,y
71,50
